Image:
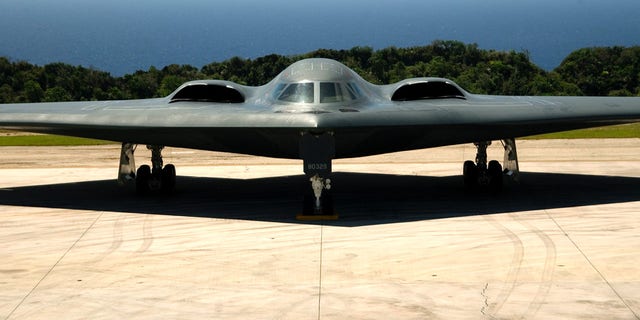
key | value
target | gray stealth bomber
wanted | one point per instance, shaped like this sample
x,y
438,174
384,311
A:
x,y
318,110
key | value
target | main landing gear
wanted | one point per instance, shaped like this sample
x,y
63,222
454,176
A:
x,y
156,177
483,175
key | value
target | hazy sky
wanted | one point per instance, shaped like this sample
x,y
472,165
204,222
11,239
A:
x,y
122,36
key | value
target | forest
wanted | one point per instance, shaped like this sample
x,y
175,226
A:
x,y
598,71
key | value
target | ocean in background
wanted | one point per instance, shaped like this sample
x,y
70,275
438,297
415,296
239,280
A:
x,y
124,36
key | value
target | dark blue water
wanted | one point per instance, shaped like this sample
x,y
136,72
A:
x,y
123,36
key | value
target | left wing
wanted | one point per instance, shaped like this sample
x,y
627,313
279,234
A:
x,y
241,128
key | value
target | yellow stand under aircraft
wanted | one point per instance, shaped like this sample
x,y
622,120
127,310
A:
x,y
318,110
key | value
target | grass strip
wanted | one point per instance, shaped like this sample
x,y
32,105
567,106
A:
x,y
610,132
619,131
48,140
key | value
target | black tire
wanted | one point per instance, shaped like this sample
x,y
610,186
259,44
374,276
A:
x,y
470,174
495,174
143,174
168,178
327,203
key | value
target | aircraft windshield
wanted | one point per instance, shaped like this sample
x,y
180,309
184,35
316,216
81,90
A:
x,y
329,92
297,92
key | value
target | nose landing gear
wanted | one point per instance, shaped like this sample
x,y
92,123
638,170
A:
x,y
319,205
317,150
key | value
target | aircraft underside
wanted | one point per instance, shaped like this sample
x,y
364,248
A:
x,y
317,150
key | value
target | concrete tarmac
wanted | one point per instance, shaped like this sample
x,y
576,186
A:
x,y
409,244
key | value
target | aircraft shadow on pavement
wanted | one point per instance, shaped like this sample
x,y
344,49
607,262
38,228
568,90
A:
x,y
360,199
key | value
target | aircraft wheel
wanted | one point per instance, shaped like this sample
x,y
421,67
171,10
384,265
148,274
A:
x,y
327,203
308,204
168,178
470,174
143,174
495,174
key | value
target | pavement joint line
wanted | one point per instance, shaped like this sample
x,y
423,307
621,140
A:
x,y
593,266
320,272
53,267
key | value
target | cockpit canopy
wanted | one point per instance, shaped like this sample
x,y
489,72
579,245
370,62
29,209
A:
x,y
317,92
317,81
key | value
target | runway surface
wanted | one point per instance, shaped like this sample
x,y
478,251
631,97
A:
x,y
409,244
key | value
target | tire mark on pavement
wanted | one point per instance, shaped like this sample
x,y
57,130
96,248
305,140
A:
x,y
147,234
514,268
546,279
116,239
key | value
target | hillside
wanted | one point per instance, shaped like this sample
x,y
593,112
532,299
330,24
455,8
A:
x,y
602,71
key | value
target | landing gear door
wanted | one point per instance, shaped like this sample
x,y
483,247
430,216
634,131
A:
x,y
127,170
511,159
317,150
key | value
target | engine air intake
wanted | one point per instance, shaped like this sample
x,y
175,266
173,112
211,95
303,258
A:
x,y
427,90
208,93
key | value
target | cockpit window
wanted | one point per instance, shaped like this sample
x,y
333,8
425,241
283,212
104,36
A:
x,y
327,92
332,92
354,90
297,92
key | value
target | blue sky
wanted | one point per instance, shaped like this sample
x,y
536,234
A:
x,y
122,36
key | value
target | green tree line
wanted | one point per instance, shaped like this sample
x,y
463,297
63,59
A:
x,y
601,71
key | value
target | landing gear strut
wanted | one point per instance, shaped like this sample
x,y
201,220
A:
x,y
320,203
318,184
155,178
